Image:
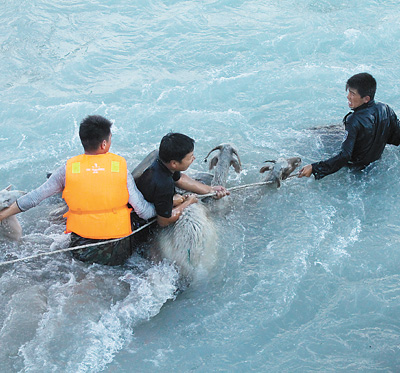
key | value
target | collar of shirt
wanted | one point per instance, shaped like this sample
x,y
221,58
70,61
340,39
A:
x,y
363,106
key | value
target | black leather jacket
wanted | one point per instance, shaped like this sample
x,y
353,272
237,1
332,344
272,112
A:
x,y
368,129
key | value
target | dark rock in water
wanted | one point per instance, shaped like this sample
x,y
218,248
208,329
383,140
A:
x,y
331,136
330,129
143,165
203,177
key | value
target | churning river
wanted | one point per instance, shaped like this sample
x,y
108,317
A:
x,y
308,277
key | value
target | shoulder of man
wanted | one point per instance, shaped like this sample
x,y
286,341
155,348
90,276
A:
x,y
353,120
349,119
116,156
385,107
154,176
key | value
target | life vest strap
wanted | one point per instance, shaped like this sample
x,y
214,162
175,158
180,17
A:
x,y
80,212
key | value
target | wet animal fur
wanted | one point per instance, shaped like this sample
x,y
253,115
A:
x,y
10,227
222,161
280,169
191,242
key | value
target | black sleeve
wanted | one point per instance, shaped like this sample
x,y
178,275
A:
x,y
158,189
394,138
163,203
331,165
176,176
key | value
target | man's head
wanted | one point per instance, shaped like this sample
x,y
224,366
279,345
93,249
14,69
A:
x,y
95,132
362,88
176,149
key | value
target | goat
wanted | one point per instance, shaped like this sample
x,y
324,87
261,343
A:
x,y
222,161
191,242
10,226
280,170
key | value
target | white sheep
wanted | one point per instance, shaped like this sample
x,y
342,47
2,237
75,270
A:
x,y
192,241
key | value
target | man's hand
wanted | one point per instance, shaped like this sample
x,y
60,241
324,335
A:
x,y
191,198
9,211
178,199
306,171
221,191
178,210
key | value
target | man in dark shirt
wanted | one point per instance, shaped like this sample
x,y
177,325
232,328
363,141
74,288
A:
x,y
157,183
369,128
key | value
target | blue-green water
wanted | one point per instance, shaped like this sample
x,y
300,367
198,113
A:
x,y
308,277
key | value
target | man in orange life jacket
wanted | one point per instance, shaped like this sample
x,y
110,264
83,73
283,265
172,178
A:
x,y
97,188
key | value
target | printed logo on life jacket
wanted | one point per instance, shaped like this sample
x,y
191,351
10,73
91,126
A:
x,y
95,169
114,166
76,167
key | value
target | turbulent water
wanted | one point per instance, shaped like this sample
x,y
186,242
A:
x,y
308,275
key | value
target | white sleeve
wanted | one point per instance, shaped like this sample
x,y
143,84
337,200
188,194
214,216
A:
x,y
144,209
55,184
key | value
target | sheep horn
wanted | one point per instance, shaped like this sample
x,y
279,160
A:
x,y
219,147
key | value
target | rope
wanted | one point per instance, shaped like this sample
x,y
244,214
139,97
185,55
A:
x,y
76,247
261,183
136,230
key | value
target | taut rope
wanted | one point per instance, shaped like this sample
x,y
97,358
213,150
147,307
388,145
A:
x,y
77,247
238,187
135,231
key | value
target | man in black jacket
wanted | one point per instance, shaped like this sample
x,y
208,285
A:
x,y
158,181
369,128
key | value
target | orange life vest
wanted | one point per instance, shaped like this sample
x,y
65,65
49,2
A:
x,y
97,195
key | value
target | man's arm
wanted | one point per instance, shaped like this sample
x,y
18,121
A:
x,y
334,164
55,184
187,183
9,211
394,138
144,209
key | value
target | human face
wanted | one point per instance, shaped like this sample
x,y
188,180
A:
x,y
184,164
355,100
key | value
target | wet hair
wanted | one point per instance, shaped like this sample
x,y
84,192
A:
x,y
364,83
93,130
175,146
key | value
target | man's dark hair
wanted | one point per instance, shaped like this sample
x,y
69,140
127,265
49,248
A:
x,y
175,146
364,83
93,130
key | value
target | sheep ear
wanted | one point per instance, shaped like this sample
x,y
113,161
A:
x,y
265,168
236,166
213,163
